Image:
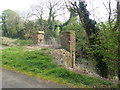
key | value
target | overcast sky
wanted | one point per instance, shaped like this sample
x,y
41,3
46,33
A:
x,y
16,4
96,7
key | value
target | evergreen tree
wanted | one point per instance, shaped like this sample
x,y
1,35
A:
x,y
92,32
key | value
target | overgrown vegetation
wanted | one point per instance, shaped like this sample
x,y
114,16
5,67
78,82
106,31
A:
x,y
95,42
39,63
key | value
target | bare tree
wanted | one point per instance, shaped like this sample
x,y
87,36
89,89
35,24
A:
x,y
37,12
25,15
54,8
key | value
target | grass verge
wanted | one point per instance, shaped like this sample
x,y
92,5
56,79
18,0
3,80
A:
x,y
39,64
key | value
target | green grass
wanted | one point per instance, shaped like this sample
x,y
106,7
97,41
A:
x,y
39,64
23,42
14,42
116,86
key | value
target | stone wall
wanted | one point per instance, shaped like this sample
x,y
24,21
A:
x,y
62,57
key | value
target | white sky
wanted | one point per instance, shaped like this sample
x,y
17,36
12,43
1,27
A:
x,y
24,5
16,4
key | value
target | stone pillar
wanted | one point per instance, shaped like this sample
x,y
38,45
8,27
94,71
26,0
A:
x,y
38,37
68,42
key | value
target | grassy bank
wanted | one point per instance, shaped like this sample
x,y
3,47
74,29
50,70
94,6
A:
x,y
40,65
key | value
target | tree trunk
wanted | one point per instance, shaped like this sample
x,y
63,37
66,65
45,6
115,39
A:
x,y
118,25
